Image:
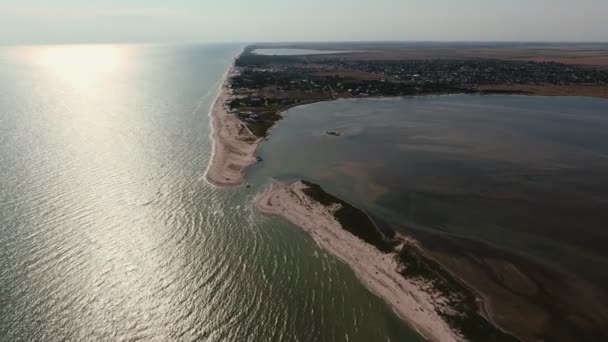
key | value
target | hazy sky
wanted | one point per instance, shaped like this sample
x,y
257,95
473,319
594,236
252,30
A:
x,y
66,21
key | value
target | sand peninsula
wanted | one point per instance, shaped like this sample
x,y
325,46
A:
x,y
234,144
376,270
393,267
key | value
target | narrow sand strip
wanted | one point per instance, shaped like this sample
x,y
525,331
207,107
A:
x,y
233,143
376,270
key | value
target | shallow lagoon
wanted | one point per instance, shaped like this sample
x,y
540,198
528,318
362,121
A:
x,y
295,52
527,174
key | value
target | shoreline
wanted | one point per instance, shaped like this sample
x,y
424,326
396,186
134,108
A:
x,y
377,271
386,274
233,144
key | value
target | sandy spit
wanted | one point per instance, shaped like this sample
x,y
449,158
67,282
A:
x,y
379,272
233,143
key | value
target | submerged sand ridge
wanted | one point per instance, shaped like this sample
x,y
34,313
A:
x,y
376,270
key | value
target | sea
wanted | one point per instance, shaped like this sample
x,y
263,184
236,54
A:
x,y
109,230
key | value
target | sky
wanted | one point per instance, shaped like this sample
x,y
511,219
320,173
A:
x,y
180,21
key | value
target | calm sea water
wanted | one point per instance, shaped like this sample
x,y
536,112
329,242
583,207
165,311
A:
x,y
527,174
108,230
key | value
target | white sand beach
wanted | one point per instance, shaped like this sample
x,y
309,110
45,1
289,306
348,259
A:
x,y
377,271
233,143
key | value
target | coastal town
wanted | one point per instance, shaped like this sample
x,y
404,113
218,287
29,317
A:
x,y
265,85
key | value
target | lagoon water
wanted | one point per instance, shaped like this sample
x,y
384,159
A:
x,y
108,230
294,52
526,174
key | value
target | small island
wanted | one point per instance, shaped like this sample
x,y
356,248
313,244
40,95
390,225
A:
x,y
333,133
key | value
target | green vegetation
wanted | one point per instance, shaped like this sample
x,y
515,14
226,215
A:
x,y
351,218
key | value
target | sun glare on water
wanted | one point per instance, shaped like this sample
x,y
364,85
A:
x,y
81,66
